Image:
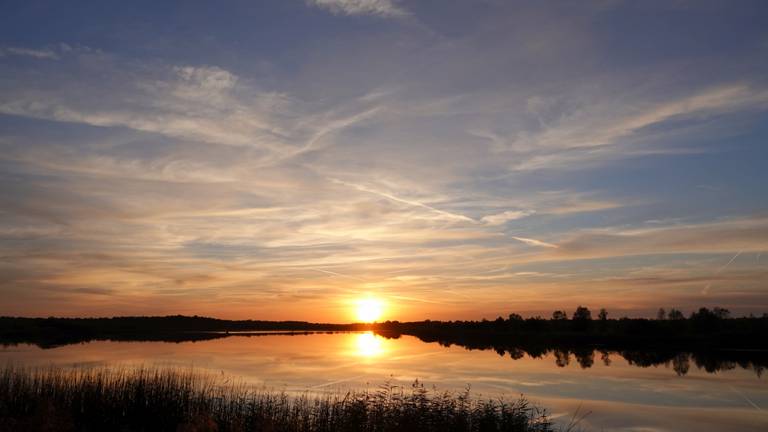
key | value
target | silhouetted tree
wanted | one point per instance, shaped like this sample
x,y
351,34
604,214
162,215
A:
x,y
603,317
535,323
661,315
702,313
705,320
721,313
675,314
559,315
515,322
582,319
582,314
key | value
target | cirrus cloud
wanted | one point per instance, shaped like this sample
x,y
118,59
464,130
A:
x,y
386,8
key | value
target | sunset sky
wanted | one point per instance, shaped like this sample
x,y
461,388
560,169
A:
x,y
454,160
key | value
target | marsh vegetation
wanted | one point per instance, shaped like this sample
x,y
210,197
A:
x,y
57,399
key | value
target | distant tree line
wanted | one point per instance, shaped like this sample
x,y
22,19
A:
x,y
704,327
712,328
51,332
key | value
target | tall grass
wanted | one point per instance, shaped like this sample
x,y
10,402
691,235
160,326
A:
x,y
178,400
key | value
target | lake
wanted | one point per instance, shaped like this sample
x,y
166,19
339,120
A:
x,y
614,393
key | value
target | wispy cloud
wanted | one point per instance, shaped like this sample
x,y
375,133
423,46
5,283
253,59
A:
x,y
570,134
201,103
717,237
594,132
534,242
502,218
28,52
387,8
193,103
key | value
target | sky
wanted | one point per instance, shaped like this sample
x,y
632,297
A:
x,y
456,160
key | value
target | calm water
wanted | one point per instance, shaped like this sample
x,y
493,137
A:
x,y
620,396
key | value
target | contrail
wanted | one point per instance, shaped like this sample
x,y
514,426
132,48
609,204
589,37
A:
x,y
705,291
338,274
729,262
458,294
414,299
443,213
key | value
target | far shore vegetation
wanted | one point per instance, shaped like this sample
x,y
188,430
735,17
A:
x,y
702,329
709,339
64,400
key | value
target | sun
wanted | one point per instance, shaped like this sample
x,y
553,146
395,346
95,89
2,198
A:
x,y
369,309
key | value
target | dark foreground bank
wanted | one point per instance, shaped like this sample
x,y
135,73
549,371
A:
x,y
173,400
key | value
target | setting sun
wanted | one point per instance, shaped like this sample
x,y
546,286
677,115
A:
x,y
369,309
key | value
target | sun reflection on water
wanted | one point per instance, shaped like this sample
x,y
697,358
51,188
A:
x,y
368,345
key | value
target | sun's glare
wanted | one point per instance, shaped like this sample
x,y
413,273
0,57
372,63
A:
x,y
369,309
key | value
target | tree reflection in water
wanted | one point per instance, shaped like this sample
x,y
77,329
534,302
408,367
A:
x,y
680,362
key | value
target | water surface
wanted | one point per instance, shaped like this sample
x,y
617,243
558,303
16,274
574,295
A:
x,y
619,395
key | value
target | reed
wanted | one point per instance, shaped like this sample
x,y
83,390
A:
x,y
152,399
